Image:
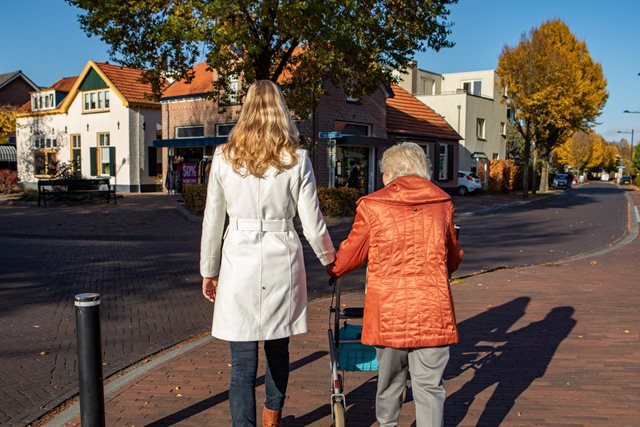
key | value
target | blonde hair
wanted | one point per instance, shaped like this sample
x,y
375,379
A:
x,y
264,136
403,159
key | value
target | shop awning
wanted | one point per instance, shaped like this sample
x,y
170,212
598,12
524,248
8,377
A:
x,y
201,141
8,153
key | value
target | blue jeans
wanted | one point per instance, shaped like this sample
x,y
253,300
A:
x,y
244,367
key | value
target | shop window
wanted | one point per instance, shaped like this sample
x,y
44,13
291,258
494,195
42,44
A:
x,y
352,167
224,129
189,131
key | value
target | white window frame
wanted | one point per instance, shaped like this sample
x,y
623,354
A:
x,y
177,128
503,129
481,125
95,101
234,89
472,86
443,162
219,125
104,142
43,101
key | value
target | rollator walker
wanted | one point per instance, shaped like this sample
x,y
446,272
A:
x,y
346,351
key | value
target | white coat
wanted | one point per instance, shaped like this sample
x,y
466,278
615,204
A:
x,y
262,285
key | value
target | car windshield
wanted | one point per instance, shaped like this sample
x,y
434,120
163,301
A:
x,y
561,176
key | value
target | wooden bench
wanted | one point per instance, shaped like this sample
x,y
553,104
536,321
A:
x,y
72,188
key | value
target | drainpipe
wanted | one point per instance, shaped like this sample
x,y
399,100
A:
x,y
138,146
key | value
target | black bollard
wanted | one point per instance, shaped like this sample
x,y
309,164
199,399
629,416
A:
x,y
89,360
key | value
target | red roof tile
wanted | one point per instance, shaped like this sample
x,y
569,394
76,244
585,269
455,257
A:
x,y
407,115
127,81
64,84
202,83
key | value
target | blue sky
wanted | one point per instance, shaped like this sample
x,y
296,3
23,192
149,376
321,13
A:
x,y
43,39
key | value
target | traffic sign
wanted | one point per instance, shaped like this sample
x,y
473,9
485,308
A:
x,y
323,135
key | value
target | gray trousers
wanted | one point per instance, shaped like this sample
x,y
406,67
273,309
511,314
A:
x,y
426,366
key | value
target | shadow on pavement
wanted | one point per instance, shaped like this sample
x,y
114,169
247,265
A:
x,y
224,396
512,360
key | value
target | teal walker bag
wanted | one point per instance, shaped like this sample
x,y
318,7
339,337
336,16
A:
x,y
355,356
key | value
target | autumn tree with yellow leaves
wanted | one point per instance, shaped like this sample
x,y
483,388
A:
x,y
7,122
554,87
587,151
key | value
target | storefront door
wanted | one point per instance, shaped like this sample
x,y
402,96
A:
x,y
352,167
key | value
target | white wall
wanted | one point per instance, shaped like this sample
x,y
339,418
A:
x,y
119,121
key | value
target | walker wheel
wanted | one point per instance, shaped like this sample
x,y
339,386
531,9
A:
x,y
338,414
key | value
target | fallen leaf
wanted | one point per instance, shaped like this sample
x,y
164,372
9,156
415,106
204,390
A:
x,y
177,388
594,262
178,395
42,353
626,331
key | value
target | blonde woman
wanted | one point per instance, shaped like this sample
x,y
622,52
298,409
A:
x,y
257,280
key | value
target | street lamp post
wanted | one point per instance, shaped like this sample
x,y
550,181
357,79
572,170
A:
x,y
631,133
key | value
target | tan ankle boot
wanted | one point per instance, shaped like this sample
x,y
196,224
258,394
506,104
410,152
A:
x,y
271,418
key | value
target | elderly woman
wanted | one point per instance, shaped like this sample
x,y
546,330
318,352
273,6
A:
x,y
406,233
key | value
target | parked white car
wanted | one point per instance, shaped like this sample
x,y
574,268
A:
x,y
468,182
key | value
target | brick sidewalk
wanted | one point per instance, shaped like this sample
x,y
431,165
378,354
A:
x,y
551,345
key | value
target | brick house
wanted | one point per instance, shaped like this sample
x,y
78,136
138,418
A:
x,y
193,125
100,122
14,91
15,88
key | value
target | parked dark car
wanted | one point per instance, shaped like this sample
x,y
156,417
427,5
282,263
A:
x,y
625,180
562,180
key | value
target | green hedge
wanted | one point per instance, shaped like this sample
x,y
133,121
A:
x,y
338,201
195,197
333,201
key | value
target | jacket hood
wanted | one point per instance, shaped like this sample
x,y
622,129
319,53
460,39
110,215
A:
x,y
409,190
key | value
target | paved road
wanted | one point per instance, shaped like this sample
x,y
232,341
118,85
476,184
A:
x,y
581,220
141,255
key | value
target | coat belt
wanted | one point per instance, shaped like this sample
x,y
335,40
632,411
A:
x,y
261,225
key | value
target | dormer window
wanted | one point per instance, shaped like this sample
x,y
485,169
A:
x,y
95,101
43,101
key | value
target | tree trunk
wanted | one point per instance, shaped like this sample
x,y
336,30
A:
x,y
525,171
533,171
544,176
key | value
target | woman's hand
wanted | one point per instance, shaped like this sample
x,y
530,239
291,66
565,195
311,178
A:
x,y
209,287
329,269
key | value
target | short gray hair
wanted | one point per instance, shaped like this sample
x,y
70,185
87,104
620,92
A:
x,y
406,158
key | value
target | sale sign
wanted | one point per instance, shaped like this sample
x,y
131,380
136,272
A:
x,y
189,173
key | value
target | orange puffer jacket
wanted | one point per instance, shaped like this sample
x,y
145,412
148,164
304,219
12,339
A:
x,y
405,231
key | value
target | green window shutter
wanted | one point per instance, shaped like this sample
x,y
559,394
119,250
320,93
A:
x,y
93,157
112,161
152,159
